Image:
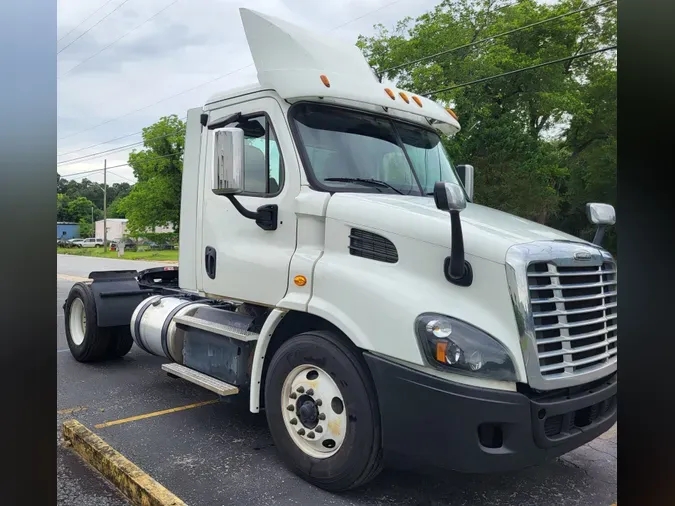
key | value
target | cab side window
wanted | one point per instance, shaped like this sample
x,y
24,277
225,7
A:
x,y
263,164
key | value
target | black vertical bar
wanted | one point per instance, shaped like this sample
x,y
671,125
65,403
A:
x,y
267,156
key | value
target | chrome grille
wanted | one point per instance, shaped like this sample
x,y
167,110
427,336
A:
x,y
575,318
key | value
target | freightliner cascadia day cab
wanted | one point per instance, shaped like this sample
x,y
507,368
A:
x,y
334,270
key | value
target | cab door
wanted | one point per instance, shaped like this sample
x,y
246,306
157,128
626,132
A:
x,y
239,259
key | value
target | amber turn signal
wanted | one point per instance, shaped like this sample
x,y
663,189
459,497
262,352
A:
x,y
441,346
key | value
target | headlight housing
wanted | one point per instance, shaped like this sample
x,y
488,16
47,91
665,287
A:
x,y
453,345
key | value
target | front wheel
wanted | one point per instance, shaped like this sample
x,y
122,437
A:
x,y
322,411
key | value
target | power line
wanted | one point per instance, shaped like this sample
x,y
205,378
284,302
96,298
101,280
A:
x,y
83,21
81,173
155,103
108,141
191,89
100,144
65,176
400,43
90,28
365,15
493,37
93,155
114,150
147,160
118,39
517,71
120,176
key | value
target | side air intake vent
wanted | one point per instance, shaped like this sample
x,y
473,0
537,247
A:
x,y
375,247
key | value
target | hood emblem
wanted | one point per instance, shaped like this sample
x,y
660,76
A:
x,y
582,255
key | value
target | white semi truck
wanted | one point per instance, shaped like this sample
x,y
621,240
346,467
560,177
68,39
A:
x,y
327,274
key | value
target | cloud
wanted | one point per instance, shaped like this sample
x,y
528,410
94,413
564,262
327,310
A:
x,y
189,44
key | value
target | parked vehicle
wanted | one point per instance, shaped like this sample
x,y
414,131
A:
x,y
76,243
335,270
129,245
91,242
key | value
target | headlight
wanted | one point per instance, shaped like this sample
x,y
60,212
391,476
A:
x,y
456,346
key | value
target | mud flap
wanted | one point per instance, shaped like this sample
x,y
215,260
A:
x,y
117,293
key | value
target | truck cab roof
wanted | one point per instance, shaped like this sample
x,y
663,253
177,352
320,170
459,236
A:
x,y
297,64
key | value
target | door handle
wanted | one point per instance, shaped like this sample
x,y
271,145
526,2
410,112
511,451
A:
x,y
210,262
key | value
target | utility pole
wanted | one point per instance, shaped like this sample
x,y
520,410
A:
x,y
105,206
93,223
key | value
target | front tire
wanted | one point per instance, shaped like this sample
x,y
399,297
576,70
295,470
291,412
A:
x,y
322,411
87,341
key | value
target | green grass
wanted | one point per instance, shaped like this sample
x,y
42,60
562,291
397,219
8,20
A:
x,y
160,256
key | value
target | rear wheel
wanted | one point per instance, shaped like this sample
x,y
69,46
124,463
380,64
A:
x,y
86,340
322,411
120,341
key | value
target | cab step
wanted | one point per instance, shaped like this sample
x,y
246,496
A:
x,y
200,379
217,328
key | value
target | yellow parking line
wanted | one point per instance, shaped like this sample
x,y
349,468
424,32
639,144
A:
x,y
156,413
133,482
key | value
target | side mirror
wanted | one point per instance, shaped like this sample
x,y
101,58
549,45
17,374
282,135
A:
x,y
450,197
465,173
601,215
228,161
228,176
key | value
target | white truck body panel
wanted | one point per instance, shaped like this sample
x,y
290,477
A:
x,y
252,264
187,274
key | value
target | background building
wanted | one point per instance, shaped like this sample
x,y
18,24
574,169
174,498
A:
x,y
72,230
117,227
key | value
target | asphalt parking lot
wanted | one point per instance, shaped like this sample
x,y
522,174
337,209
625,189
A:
x,y
218,453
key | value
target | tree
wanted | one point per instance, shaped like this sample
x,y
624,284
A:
x,y
155,199
86,228
78,209
69,190
62,207
524,131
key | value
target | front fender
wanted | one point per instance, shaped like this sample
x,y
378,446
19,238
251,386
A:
x,y
376,303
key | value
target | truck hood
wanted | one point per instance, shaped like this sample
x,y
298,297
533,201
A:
x,y
488,233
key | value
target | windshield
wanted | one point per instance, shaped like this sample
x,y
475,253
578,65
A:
x,y
370,153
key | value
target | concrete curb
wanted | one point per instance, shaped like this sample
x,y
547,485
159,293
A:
x,y
134,483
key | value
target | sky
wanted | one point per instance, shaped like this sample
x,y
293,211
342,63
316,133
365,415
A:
x,y
144,59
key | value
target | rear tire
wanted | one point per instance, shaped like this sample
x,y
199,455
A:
x,y
120,341
87,341
328,366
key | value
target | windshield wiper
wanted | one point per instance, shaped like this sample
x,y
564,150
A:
x,y
375,182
